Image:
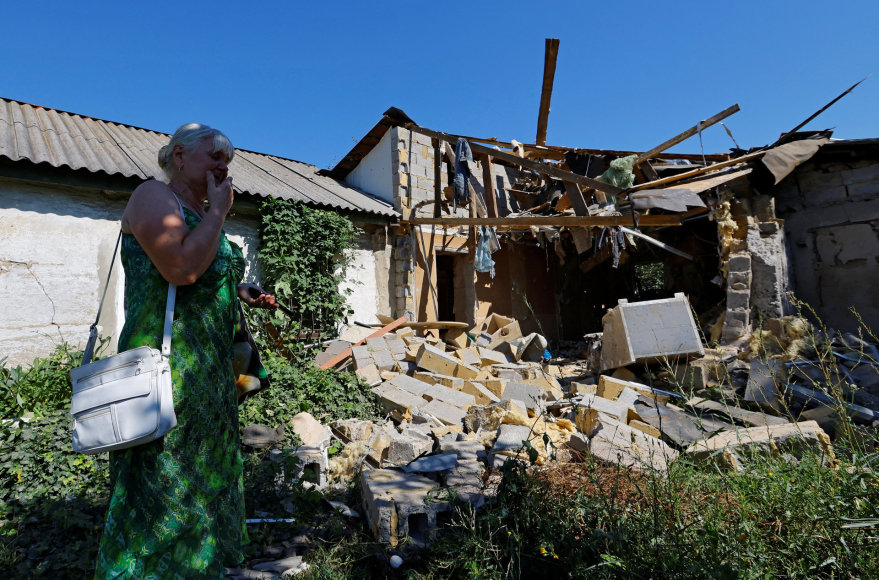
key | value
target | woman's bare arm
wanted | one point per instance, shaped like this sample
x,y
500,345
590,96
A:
x,y
180,255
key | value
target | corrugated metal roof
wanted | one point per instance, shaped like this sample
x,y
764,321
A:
x,y
43,135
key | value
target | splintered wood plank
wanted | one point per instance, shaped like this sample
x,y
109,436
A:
x,y
695,172
688,133
550,56
544,168
575,195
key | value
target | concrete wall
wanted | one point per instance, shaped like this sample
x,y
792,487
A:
x,y
831,211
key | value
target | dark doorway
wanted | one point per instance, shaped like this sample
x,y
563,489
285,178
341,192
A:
x,y
445,286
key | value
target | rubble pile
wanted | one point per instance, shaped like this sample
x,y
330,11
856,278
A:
x,y
459,408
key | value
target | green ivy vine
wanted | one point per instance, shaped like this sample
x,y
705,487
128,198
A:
x,y
304,261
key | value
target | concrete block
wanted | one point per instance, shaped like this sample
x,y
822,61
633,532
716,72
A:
x,y
469,357
396,507
612,408
464,450
394,399
406,447
692,376
334,348
310,430
532,395
550,385
384,360
510,438
792,438
740,263
456,398
376,344
458,337
354,429
762,387
433,359
446,413
433,463
370,374
410,385
481,394
487,417
737,300
489,357
396,344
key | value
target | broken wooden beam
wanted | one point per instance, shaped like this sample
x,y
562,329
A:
x,y
575,195
550,55
544,168
550,221
695,172
348,351
687,134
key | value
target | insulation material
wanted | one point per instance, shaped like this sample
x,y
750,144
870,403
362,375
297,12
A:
x,y
346,466
783,341
726,225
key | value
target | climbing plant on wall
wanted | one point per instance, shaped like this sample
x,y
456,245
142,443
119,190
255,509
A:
x,y
304,259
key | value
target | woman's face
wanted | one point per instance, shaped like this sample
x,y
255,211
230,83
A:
x,y
201,160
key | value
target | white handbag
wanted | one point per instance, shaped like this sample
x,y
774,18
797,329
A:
x,y
125,399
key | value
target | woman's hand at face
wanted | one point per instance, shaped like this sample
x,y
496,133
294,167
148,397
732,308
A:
x,y
256,297
219,194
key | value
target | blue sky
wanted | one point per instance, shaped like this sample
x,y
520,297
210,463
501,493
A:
x,y
306,80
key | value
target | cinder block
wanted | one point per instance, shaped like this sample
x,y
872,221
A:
x,y
482,395
394,399
616,410
433,359
532,395
510,438
452,397
468,357
489,356
444,412
793,438
407,446
410,385
384,360
737,300
740,263
396,507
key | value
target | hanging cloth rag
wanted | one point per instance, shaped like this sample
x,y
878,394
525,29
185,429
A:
x,y
482,262
463,159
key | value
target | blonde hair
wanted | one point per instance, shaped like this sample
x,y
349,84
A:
x,y
189,136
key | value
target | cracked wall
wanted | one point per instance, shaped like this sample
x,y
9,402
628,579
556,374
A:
x,y
56,243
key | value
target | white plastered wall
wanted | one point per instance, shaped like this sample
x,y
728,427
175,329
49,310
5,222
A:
x,y
373,174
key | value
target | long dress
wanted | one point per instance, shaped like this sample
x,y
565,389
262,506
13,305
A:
x,y
177,508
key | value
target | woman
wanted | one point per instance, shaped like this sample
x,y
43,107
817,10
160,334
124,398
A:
x,y
177,508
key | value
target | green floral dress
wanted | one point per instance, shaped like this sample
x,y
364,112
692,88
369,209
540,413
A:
x,y
177,507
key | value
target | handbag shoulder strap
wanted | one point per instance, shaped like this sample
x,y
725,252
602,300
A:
x,y
89,351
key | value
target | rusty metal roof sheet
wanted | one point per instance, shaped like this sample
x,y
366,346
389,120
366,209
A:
x,y
42,135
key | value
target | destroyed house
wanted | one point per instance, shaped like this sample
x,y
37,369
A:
x,y
571,231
